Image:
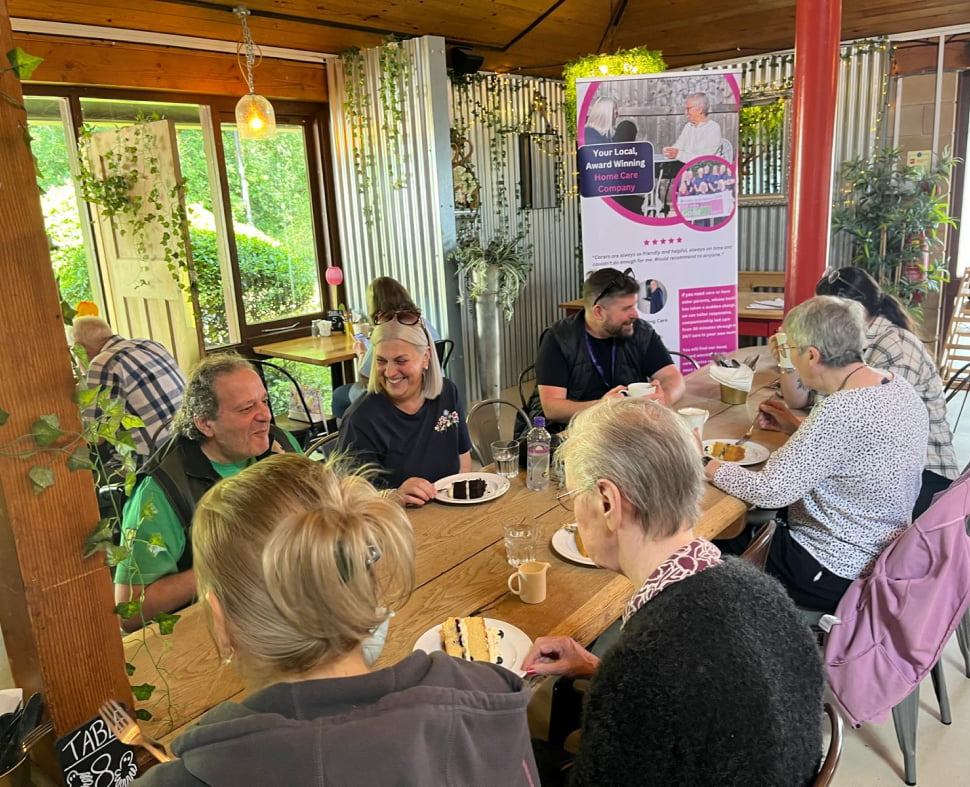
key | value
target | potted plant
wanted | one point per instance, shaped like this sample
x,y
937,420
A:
x,y
892,212
492,276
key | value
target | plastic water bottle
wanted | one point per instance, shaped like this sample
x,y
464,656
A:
x,y
538,441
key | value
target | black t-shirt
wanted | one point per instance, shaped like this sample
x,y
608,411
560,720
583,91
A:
x,y
551,368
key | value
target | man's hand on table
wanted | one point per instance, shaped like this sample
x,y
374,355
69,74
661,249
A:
x,y
560,656
415,492
775,416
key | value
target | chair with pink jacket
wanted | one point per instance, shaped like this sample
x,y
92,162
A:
x,y
894,623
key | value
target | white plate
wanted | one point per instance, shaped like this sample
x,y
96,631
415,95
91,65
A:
x,y
513,647
753,452
564,545
495,486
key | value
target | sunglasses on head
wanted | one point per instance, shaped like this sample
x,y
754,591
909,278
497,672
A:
x,y
403,317
619,280
835,275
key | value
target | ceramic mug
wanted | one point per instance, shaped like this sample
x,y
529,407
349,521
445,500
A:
x,y
636,390
695,417
530,582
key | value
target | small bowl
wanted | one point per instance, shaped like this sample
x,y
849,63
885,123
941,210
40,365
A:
x,y
733,395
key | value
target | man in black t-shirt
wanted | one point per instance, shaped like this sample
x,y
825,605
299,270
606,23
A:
x,y
598,352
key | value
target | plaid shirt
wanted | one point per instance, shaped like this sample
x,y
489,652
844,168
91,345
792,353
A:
x,y
145,375
899,351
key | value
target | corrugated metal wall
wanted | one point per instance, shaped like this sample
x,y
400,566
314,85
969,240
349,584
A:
x,y
403,226
859,128
553,232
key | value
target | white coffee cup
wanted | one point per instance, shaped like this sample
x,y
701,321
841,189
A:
x,y
530,582
695,417
636,390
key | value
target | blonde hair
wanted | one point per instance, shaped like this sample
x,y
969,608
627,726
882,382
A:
x,y
305,560
600,115
418,337
648,451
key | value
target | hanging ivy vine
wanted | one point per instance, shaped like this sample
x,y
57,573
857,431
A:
x,y
357,108
394,83
131,190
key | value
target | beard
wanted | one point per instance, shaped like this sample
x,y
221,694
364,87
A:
x,y
623,330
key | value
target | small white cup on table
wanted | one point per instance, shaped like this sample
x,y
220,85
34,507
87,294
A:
x,y
636,390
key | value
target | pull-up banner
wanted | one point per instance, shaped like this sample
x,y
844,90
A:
x,y
657,159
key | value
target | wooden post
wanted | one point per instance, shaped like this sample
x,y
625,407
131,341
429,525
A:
x,y
817,28
56,610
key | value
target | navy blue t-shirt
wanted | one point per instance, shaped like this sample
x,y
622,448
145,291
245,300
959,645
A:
x,y
424,445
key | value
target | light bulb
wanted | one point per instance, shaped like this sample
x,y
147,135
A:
x,y
255,117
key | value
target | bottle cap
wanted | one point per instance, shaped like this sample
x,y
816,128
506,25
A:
x,y
539,421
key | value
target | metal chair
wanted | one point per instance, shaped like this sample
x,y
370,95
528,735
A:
x,y
527,374
827,767
491,420
304,431
687,357
322,447
757,552
444,348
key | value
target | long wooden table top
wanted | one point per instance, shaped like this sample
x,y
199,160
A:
x,y
461,570
318,350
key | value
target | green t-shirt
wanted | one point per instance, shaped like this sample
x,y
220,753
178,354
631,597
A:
x,y
142,567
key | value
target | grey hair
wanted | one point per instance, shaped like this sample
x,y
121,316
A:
x,y
600,114
89,331
418,337
199,398
836,327
648,451
702,99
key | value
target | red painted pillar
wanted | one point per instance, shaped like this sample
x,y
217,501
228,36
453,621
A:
x,y
817,29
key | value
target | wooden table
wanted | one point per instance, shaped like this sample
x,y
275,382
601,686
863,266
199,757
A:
x,y
335,351
751,322
461,570
758,322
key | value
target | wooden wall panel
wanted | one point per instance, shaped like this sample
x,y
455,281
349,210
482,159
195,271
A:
x,y
56,610
78,61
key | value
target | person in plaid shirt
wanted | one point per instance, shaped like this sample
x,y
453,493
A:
x,y
141,372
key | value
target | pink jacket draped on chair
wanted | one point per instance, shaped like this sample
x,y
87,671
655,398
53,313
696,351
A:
x,y
897,620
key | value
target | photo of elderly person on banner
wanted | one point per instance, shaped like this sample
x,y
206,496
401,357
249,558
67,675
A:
x,y
411,422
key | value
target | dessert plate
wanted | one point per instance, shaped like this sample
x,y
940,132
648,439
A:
x,y
564,545
753,452
514,644
495,486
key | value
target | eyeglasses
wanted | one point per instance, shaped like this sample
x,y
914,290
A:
x,y
835,275
403,317
619,280
566,499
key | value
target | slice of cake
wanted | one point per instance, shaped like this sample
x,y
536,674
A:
x,y
470,639
579,544
468,489
729,452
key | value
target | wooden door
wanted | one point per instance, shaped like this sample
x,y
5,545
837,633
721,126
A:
x,y
146,289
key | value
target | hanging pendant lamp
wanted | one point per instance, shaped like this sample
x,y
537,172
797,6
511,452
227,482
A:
x,y
255,117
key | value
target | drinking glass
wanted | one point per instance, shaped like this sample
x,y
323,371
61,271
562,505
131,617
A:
x,y
505,454
520,543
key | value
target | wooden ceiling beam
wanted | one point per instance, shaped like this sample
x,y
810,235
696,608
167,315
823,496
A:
x,y
76,61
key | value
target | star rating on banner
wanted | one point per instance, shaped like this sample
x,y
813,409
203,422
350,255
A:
x,y
662,241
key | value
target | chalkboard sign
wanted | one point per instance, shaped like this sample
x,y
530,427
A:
x,y
336,318
92,756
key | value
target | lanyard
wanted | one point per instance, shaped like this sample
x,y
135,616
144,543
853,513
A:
x,y
598,366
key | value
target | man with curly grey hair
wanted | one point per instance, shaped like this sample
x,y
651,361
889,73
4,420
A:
x,y
223,426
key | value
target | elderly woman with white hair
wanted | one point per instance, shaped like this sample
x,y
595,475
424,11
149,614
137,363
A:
x,y
850,473
714,679
411,424
297,564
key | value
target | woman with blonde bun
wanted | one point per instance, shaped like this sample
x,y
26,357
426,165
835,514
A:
x,y
298,565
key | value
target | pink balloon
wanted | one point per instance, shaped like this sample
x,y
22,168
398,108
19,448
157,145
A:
x,y
334,275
